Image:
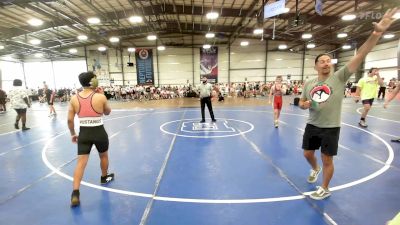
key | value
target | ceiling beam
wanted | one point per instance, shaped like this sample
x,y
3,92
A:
x,y
147,11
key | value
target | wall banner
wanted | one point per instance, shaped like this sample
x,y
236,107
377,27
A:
x,y
144,66
209,64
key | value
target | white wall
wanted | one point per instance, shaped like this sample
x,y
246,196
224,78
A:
x,y
176,65
247,62
382,56
9,72
57,74
66,73
38,72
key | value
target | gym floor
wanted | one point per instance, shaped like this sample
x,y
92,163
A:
x,y
169,169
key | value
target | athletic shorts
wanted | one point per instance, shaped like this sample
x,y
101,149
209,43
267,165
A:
x,y
367,101
277,102
20,111
325,138
89,136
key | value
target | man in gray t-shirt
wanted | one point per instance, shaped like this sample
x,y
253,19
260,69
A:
x,y
205,92
326,98
323,97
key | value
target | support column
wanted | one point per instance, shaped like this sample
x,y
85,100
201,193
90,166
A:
x,y
303,61
193,84
84,49
23,72
108,66
229,64
122,68
266,61
158,67
54,77
1,80
398,61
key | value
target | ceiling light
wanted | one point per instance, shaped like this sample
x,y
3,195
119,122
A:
x,y
278,59
286,10
282,46
212,15
8,57
311,45
82,37
396,15
244,43
35,22
93,20
258,31
161,48
206,46
114,39
210,35
35,41
38,55
131,49
349,17
342,35
388,36
151,37
346,47
73,50
135,19
1,47
306,36
102,48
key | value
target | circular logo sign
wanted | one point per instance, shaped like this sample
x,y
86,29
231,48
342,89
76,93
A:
x,y
143,54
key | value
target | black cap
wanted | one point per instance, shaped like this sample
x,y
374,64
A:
x,y
17,82
84,78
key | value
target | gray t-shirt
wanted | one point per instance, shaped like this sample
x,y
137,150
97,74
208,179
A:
x,y
327,97
205,90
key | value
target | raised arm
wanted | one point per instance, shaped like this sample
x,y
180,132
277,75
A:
x,y
379,29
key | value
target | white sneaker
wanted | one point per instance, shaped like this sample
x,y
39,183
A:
x,y
362,123
320,193
312,178
276,123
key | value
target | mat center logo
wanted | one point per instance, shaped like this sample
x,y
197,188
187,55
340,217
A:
x,y
194,129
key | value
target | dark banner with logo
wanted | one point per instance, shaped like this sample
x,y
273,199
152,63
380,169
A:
x,y
144,66
209,64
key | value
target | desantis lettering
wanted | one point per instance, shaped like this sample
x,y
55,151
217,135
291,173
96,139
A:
x,y
91,121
